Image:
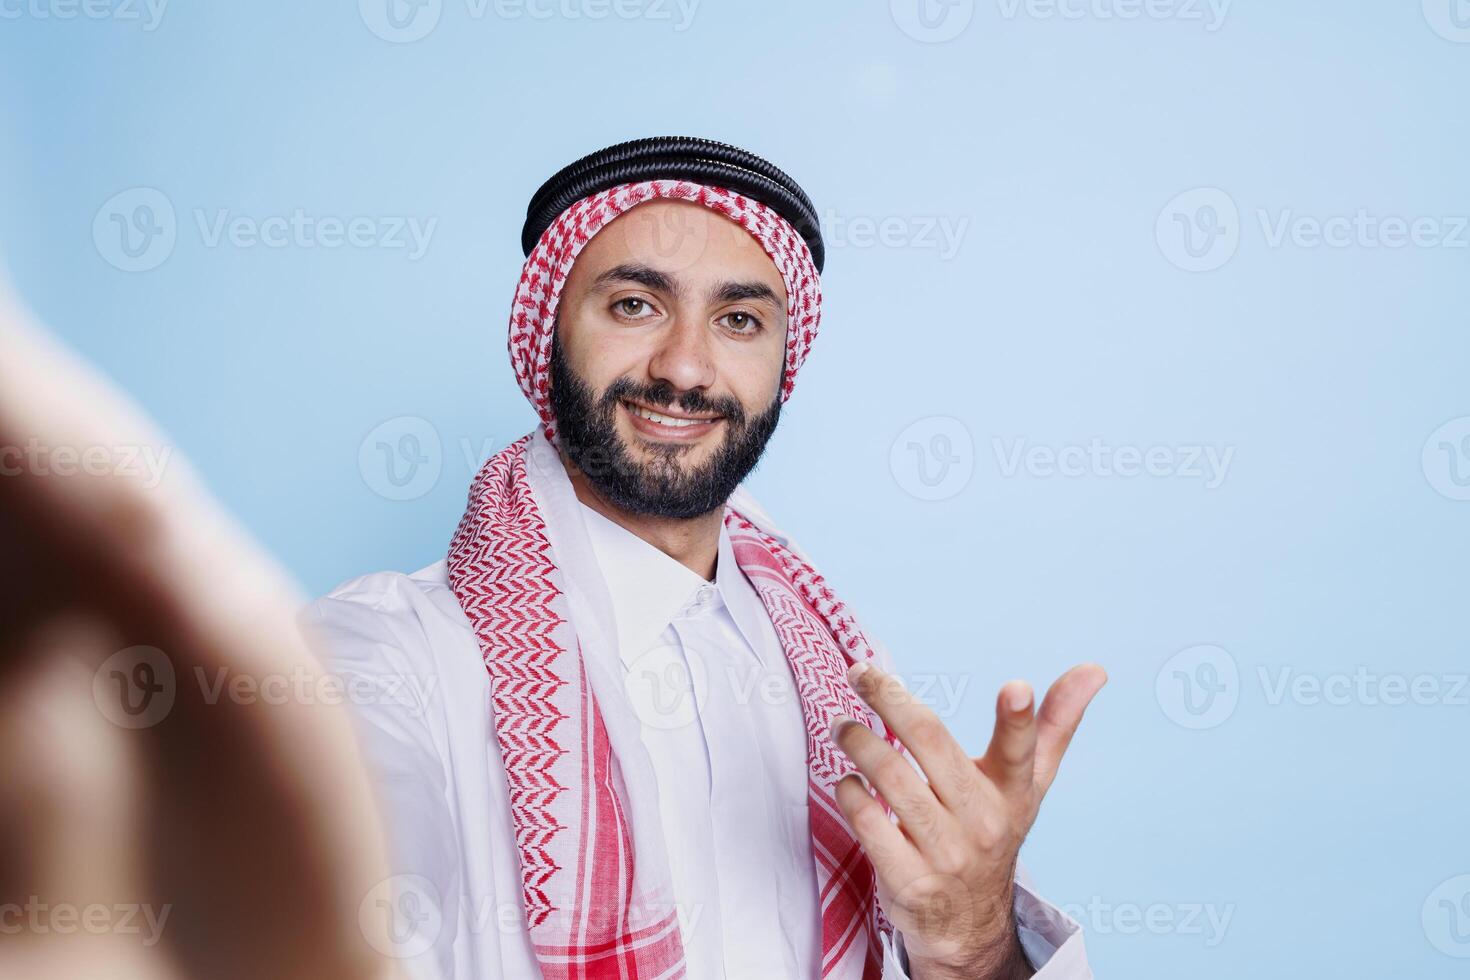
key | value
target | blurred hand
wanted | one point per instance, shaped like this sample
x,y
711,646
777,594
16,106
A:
x,y
154,826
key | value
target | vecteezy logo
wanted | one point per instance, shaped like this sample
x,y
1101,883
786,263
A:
x,y
1450,19
934,458
1446,917
400,21
134,688
1446,459
934,912
401,459
400,916
135,230
1198,687
666,688
677,239
1199,230
932,21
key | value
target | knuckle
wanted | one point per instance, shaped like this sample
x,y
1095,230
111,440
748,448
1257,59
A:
x,y
893,769
959,773
1013,758
928,733
919,815
878,852
888,691
842,736
923,892
952,859
992,832
869,819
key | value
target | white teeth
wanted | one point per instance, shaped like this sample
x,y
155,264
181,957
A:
x,y
665,419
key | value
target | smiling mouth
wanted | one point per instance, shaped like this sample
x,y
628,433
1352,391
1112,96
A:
x,y
674,426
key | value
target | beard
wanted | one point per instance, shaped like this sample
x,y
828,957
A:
x,y
661,487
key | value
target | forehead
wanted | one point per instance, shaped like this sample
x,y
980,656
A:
x,y
696,244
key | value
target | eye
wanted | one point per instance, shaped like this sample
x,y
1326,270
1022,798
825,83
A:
x,y
741,322
633,307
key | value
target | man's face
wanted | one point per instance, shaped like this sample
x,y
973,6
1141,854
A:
x,y
674,311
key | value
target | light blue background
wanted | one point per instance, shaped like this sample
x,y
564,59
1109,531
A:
x,y
1320,829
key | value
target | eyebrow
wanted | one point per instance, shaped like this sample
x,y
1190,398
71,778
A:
x,y
735,292
634,272
651,278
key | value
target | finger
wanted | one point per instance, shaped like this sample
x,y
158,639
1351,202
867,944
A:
x,y
152,542
1010,761
60,756
894,857
946,764
1060,714
160,561
922,815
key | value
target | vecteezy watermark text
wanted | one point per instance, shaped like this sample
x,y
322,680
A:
x,y
36,458
38,917
1100,917
403,916
1210,13
148,12
1200,687
944,234
1363,686
937,21
302,230
137,688
1363,229
137,229
1201,230
1209,464
668,686
406,21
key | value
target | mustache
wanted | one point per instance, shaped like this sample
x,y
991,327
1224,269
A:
x,y
589,434
662,393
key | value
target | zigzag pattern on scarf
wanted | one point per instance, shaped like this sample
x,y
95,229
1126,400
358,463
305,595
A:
x,y
500,569
815,626
826,763
810,622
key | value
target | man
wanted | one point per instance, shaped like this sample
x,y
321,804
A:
x,y
655,744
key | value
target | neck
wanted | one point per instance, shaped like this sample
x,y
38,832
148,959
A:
x,y
693,542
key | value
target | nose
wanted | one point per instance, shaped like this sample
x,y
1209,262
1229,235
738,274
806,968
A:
x,y
684,357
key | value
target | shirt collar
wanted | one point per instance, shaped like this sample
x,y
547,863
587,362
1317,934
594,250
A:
x,y
648,588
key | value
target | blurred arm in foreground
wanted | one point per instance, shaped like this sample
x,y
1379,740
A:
x,y
202,834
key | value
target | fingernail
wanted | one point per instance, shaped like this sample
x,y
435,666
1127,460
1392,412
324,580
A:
x,y
1018,696
838,721
857,670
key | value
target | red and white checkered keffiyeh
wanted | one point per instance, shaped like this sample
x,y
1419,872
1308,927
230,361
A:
x,y
595,906
533,315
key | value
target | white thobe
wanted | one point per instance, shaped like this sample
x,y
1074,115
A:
x,y
722,723
719,719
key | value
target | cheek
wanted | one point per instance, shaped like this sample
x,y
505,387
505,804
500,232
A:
x,y
611,356
756,380
596,350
